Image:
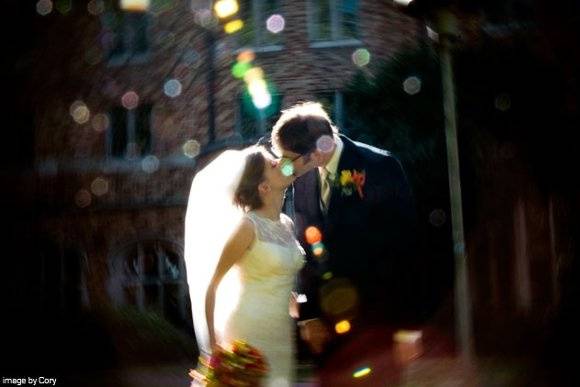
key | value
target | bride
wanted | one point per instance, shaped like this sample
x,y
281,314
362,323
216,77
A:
x,y
242,258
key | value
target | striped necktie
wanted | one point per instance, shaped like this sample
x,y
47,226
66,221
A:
x,y
325,188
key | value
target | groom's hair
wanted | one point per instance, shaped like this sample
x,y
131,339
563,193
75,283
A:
x,y
247,195
300,126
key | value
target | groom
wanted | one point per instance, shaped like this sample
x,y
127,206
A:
x,y
354,216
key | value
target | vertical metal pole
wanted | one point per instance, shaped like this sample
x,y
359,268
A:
x,y
463,323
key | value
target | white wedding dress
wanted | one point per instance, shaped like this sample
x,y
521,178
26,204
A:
x,y
267,271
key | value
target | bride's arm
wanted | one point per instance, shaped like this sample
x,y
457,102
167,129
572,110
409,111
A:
x,y
234,249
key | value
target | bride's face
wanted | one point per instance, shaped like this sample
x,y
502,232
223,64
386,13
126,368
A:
x,y
273,174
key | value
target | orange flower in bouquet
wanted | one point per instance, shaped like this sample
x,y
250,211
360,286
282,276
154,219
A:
x,y
240,365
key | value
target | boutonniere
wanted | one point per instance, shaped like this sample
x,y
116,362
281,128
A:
x,y
351,181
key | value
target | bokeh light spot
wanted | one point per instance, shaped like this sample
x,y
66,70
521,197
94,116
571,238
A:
x,y
240,69
287,168
275,24
130,100
191,148
328,275
318,249
80,112
342,327
361,57
83,198
100,122
225,8
99,186
313,235
325,144
233,26
172,88
44,7
246,56
135,5
361,372
253,74
262,100
150,164
412,85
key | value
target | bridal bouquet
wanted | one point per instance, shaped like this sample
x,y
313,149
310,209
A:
x,y
239,365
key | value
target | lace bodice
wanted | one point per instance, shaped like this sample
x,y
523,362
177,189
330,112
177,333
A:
x,y
267,276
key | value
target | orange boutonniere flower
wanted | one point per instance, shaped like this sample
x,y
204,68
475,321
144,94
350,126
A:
x,y
351,181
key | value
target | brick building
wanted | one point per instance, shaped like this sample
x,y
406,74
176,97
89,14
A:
x,y
121,106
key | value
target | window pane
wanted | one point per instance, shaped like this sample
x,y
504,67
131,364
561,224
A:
x,y
114,23
322,24
150,263
143,130
171,266
118,131
349,10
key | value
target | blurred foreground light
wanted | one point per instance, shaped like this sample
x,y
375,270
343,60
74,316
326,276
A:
x,y
287,168
150,164
130,100
225,8
403,2
191,148
253,73
246,56
313,235
44,7
100,122
233,26
262,100
135,5
412,85
325,144
96,7
83,198
318,249
240,69
275,24
99,186
257,86
328,275
361,57
80,112
342,327
301,298
405,336
172,88
407,346
361,372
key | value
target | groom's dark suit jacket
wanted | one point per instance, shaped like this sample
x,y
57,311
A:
x,y
368,240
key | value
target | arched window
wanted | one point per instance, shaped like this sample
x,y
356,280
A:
x,y
150,275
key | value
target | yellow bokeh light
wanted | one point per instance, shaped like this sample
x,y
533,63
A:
x,y
257,87
253,74
225,8
233,26
135,5
361,372
342,327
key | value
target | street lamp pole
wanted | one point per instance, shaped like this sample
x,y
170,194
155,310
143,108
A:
x,y
463,323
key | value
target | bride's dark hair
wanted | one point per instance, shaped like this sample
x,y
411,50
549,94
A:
x,y
247,195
